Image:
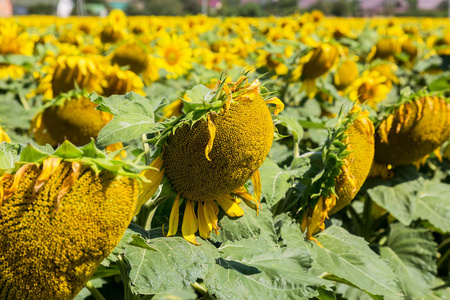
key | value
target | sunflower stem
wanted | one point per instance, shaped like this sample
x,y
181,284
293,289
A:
x,y
202,291
94,292
24,102
128,294
146,149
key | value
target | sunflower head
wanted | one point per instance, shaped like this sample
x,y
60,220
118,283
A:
x,y
350,148
213,150
69,72
61,216
321,61
131,55
346,74
386,48
413,129
61,119
120,82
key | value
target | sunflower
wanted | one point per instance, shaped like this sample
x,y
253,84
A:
x,y
13,41
120,82
385,48
370,88
59,220
414,129
355,152
60,120
346,74
69,72
132,55
4,137
11,71
176,54
315,64
207,162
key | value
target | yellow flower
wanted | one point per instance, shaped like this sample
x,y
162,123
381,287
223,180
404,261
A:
x,y
415,129
315,64
59,220
68,71
131,55
346,74
385,48
207,163
359,141
4,137
120,82
11,71
62,121
176,54
371,88
13,41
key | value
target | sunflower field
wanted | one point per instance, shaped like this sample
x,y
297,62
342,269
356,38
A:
x,y
299,157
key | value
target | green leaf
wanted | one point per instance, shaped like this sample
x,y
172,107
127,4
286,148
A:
x,y
412,254
249,225
130,103
126,127
275,181
199,95
409,196
174,265
293,125
349,258
441,83
9,154
91,151
184,294
32,154
255,269
68,150
433,204
398,194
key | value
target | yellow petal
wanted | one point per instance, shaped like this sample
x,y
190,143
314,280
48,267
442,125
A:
x,y
211,210
190,224
114,147
154,177
212,135
230,206
174,216
256,180
204,226
68,182
229,97
10,191
248,198
279,106
50,165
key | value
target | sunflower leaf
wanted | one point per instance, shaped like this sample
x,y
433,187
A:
x,y
350,260
275,181
412,254
175,264
130,103
9,154
126,127
255,269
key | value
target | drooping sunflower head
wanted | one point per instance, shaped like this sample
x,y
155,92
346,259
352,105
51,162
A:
x,y
213,150
350,148
385,48
346,74
131,55
61,119
69,72
321,61
61,215
120,82
412,129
